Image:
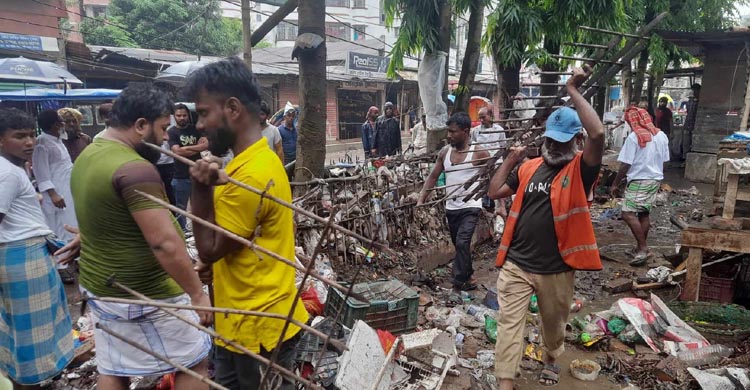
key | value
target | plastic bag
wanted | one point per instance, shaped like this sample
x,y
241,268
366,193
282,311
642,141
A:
x,y
311,301
387,339
431,77
490,328
616,325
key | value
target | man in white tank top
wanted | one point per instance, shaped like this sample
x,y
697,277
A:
x,y
460,161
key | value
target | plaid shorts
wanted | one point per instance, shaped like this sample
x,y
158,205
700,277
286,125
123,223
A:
x,y
36,340
640,196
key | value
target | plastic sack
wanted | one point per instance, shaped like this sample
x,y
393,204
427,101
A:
x,y
616,325
431,77
311,301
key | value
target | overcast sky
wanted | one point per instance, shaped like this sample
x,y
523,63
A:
x,y
744,9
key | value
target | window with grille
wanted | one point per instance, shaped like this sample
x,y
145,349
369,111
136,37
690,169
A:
x,y
337,3
286,31
338,30
359,4
360,32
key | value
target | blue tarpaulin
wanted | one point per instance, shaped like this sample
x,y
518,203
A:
x,y
42,94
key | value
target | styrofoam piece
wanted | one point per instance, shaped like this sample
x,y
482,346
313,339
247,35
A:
x,y
419,339
356,365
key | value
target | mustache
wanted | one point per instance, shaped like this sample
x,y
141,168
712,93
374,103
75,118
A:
x,y
557,158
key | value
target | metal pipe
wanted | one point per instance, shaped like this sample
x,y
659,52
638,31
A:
x,y
535,97
587,45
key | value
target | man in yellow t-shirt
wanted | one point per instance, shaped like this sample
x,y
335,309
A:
x,y
228,104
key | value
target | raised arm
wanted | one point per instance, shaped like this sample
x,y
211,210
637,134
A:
x,y
594,147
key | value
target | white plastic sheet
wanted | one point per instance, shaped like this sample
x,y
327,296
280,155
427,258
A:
x,y
431,78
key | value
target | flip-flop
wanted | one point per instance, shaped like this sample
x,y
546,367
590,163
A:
x,y
639,260
550,373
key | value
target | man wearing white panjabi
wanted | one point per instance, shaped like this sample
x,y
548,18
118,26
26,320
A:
x,y
52,168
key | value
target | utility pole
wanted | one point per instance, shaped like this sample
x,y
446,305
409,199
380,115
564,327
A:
x,y
247,46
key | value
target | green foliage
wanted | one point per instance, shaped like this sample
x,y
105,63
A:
x,y
419,30
192,26
263,44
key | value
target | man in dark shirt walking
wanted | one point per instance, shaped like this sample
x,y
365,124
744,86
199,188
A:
x,y
187,142
289,136
387,138
368,130
548,233
664,117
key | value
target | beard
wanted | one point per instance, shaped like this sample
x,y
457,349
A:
x,y
151,155
560,156
220,141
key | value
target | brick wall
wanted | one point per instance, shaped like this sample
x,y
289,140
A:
x,y
289,91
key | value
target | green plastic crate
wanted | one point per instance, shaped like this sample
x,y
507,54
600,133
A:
x,y
393,306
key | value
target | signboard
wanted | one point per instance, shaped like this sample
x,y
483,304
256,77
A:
x,y
366,65
20,42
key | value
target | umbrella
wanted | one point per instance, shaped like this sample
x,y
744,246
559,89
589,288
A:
x,y
43,94
177,73
41,72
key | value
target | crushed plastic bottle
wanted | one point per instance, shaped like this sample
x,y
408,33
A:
x,y
577,305
706,355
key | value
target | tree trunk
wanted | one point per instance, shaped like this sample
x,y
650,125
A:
x,y
549,90
273,21
444,38
627,85
640,76
311,145
247,47
471,57
650,92
508,84
600,101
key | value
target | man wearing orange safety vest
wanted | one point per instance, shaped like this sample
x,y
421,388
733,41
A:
x,y
548,233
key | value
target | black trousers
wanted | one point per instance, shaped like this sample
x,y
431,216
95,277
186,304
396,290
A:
x,y
166,171
462,224
237,371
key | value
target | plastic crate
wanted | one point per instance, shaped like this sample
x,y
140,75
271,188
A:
x,y
718,289
393,306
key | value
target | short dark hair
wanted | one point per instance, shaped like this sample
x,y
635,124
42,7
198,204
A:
x,y
227,78
47,119
180,106
139,101
696,86
460,119
15,119
104,110
264,108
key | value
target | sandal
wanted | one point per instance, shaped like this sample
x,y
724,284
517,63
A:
x,y
639,260
550,375
468,286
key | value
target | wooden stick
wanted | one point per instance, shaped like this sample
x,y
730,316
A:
x,y
214,334
164,359
710,263
275,199
336,343
241,240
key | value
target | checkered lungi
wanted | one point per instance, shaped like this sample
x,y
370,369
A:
x,y
640,196
150,328
36,341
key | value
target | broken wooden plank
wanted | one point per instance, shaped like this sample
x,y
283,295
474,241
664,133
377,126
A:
x,y
720,223
730,199
693,279
618,285
716,240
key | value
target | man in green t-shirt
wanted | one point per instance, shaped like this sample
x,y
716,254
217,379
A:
x,y
139,243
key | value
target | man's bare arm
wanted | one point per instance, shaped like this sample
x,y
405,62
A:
x,y
624,168
279,150
594,147
429,184
171,253
498,187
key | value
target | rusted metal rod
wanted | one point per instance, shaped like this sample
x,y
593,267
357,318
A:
x,y
534,97
552,85
486,149
284,203
241,240
584,59
215,334
531,108
339,345
516,130
586,45
161,357
555,73
603,31
511,120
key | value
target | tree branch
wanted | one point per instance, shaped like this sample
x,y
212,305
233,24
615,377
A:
x,y
273,21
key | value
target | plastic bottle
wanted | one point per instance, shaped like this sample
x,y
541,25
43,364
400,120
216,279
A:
x,y
534,305
459,342
706,355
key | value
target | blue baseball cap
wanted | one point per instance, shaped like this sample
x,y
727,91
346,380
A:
x,y
563,125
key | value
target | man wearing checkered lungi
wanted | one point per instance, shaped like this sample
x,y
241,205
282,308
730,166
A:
x,y
35,328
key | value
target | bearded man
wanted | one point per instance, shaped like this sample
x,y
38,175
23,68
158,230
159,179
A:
x,y
139,243
548,233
